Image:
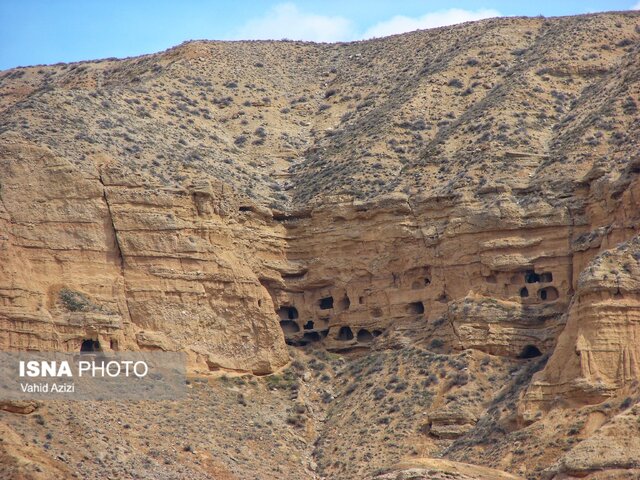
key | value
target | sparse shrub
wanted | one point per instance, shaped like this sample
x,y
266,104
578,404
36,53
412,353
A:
x,y
330,93
240,140
459,379
624,43
75,301
384,421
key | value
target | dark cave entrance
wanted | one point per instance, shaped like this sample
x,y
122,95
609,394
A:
x,y
524,293
546,277
89,345
288,313
548,294
308,325
311,337
345,334
364,336
531,277
326,303
416,308
530,351
289,327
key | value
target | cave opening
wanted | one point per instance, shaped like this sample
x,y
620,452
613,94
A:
x,y
308,325
530,351
416,308
548,294
345,334
546,277
326,303
377,333
288,313
311,337
531,277
289,327
90,345
524,292
364,336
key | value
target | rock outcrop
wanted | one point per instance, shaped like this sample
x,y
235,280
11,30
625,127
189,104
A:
x,y
129,265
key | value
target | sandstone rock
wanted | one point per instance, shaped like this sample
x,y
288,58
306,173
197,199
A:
x,y
19,406
596,353
451,422
441,469
612,452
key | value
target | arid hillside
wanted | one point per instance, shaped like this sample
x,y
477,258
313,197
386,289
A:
x,y
409,257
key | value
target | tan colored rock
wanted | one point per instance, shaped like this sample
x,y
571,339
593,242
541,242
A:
x,y
611,452
19,406
441,469
451,422
597,353
131,266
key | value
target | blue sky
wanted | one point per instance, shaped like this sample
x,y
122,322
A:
x,y
49,31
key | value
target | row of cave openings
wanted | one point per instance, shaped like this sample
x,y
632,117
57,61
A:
x,y
327,303
317,329
545,294
290,327
289,322
89,345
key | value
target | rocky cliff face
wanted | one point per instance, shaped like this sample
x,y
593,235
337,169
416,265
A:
x,y
115,260
225,199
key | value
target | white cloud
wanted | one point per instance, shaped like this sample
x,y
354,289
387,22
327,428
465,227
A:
x,y
287,21
401,24
636,6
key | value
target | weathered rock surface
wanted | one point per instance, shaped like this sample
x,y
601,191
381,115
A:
x,y
438,469
133,266
611,452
